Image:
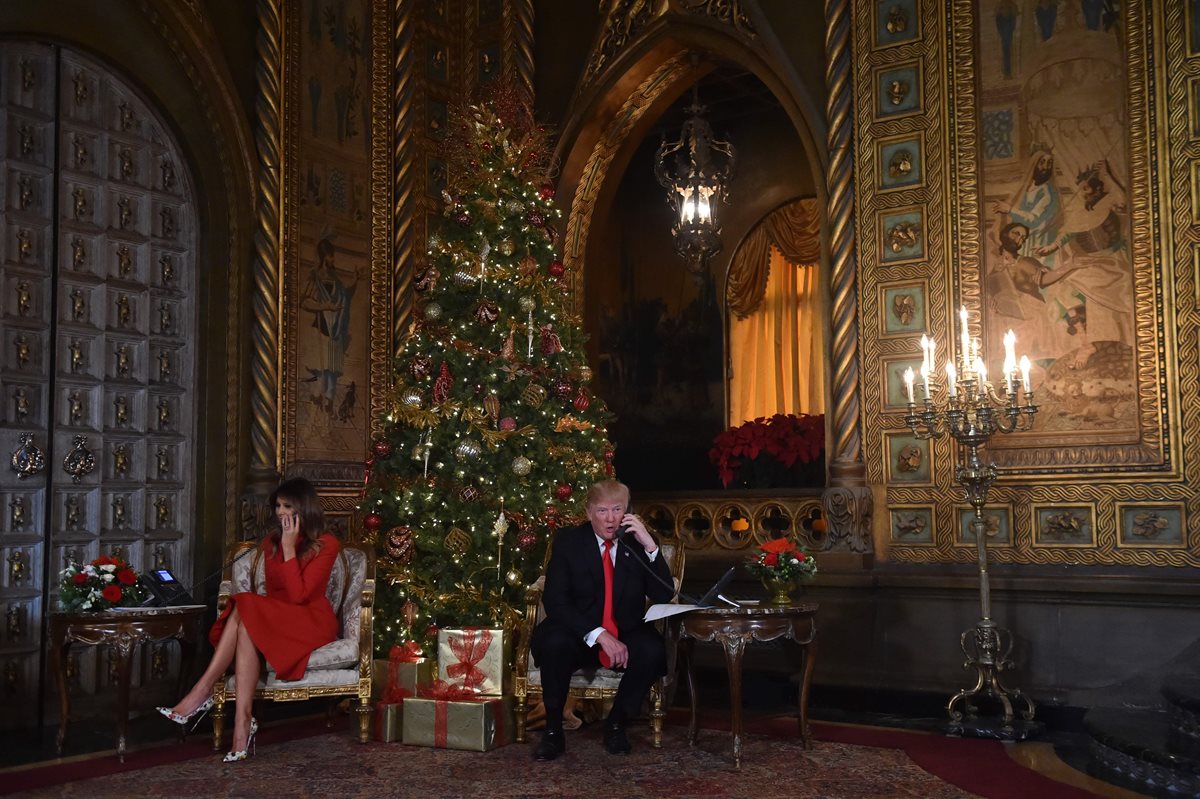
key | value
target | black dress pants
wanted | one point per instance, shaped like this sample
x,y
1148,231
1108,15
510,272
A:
x,y
559,652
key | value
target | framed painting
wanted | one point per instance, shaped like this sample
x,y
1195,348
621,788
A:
x,y
1059,196
337,272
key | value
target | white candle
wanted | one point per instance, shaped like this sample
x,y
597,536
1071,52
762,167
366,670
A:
x,y
908,382
966,340
931,362
1025,373
924,351
951,378
1010,347
925,378
980,371
974,352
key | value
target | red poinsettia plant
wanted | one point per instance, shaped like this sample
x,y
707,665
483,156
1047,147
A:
x,y
782,558
784,439
103,584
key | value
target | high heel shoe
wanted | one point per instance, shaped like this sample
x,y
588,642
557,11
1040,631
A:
x,y
182,720
243,754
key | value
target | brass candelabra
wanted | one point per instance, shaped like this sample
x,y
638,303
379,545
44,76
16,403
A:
x,y
972,412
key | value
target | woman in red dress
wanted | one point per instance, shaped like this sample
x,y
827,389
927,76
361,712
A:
x,y
286,625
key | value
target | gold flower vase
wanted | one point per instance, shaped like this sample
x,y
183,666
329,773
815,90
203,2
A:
x,y
780,588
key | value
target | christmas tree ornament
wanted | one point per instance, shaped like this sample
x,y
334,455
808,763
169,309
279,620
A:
x,y
369,463
464,278
457,542
411,398
546,192
568,423
581,401
513,207
468,449
427,279
383,448
551,343
584,373
521,466
527,539
563,491
418,451
535,218
509,349
399,545
491,404
421,366
528,267
463,218
508,424
468,494
372,521
527,304
487,312
443,385
409,612
513,578
433,312
562,388
506,247
487,146
533,395
556,268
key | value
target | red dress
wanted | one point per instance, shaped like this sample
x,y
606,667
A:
x,y
295,617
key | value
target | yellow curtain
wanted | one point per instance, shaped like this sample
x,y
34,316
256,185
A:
x,y
795,229
777,352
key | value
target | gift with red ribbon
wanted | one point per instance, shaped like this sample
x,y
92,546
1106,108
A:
x,y
475,658
447,715
396,679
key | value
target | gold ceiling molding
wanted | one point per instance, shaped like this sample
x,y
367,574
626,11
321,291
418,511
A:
x,y
626,20
595,170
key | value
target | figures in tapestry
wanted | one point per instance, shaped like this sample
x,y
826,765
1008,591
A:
x,y
327,295
1058,266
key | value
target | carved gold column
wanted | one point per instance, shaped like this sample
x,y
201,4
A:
x,y
847,502
518,44
404,182
265,316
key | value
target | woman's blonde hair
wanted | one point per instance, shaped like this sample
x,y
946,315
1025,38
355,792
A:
x,y
607,489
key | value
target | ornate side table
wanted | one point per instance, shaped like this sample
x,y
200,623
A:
x,y
122,630
734,629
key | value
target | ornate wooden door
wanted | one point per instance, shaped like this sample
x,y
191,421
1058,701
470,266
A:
x,y
98,239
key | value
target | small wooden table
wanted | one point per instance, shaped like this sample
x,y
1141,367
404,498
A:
x,y
123,630
734,628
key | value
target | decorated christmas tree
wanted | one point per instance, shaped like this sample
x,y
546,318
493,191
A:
x,y
493,437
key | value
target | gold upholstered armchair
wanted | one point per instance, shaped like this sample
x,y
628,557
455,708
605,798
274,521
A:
x,y
341,667
597,683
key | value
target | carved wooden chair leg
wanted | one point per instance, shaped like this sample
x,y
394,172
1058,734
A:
x,y
218,720
364,709
657,714
522,710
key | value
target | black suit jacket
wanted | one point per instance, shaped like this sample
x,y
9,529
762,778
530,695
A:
x,y
574,592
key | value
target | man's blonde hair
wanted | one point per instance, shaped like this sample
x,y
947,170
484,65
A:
x,y
607,489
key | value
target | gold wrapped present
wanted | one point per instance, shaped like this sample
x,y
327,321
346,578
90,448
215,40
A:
x,y
476,725
387,676
475,658
388,718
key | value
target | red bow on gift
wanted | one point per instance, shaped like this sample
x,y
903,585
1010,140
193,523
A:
x,y
470,650
447,692
409,653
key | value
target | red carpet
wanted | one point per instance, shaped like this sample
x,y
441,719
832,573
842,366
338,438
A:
x,y
842,765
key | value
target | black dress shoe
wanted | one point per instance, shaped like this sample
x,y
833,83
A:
x,y
551,746
615,741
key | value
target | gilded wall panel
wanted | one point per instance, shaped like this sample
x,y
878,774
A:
x,y
1060,203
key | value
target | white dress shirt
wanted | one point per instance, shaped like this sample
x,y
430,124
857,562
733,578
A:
x,y
591,637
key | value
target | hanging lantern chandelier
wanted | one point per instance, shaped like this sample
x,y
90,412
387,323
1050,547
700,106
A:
x,y
695,170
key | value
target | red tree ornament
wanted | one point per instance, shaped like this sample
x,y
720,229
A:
x,y
508,424
582,401
527,539
562,387
383,448
443,384
556,268
420,367
546,192
551,343
372,521
563,491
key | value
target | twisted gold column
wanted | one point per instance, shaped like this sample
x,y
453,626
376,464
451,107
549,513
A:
x,y
847,502
518,45
404,183
265,317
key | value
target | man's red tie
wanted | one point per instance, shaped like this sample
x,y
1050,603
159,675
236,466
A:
x,y
607,620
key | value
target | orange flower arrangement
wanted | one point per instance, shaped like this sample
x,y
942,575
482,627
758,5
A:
x,y
782,558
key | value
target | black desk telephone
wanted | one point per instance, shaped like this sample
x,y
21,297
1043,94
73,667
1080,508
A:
x,y
164,589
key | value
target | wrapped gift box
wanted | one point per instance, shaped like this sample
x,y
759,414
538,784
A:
x,y
475,658
477,725
388,721
409,676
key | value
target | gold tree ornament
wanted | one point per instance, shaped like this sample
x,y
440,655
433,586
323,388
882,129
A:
x,y
534,395
400,545
458,542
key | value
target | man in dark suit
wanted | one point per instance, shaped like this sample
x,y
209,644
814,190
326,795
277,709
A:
x,y
594,614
